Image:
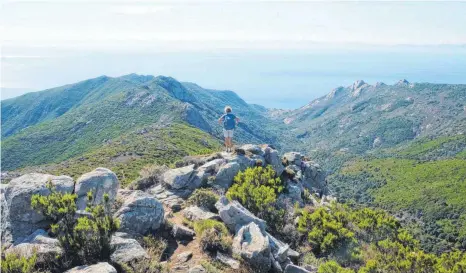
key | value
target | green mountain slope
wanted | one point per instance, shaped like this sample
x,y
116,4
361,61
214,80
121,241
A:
x,y
64,122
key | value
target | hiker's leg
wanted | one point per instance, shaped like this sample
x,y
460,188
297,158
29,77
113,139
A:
x,y
229,142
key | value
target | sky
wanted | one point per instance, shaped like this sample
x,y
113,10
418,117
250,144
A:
x,y
275,53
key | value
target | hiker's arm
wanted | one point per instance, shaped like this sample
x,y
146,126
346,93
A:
x,y
220,120
237,120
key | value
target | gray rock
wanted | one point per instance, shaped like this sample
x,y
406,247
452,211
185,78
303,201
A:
x,y
291,268
293,158
272,158
184,256
100,181
227,260
292,194
311,268
234,215
278,248
314,177
225,175
252,148
126,249
18,216
46,248
96,268
195,213
178,178
140,213
253,246
197,269
182,233
212,166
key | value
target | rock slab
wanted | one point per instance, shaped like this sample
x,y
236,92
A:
x,y
100,181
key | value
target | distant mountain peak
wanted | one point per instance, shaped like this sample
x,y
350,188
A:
x,y
357,84
402,82
380,84
335,92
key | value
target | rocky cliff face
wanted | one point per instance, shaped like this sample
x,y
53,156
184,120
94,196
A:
x,y
151,210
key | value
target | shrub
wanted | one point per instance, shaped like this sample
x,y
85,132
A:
x,y
148,177
203,198
213,235
15,263
333,267
257,190
326,231
84,239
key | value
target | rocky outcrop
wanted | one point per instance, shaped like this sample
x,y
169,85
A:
x,y
225,175
196,213
291,268
182,233
227,260
178,178
41,244
234,215
126,249
253,246
272,158
100,181
18,218
96,268
140,213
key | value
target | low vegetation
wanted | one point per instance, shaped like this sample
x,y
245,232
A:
x,y
203,197
213,235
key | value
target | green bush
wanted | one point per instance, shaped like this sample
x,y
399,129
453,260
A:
x,y
15,263
257,190
203,198
213,235
85,239
333,267
326,231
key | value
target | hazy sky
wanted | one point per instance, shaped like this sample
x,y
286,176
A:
x,y
277,53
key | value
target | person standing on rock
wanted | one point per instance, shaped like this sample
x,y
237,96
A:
x,y
229,121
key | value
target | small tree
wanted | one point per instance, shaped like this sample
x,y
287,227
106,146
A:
x,y
84,236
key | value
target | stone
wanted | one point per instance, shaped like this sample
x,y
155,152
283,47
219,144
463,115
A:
x,y
253,246
292,194
314,177
291,268
197,269
100,181
178,178
96,268
272,158
195,213
126,249
18,218
234,215
212,166
184,256
225,175
182,233
46,248
253,149
140,213
293,158
227,260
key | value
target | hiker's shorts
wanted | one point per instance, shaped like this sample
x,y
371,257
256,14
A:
x,y
228,133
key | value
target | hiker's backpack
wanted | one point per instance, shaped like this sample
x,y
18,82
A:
x,y
229,122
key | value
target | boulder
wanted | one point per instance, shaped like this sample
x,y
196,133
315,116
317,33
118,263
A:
x,y
100,181
278,248
227,260
253,246
18,217
225,175
46,248
96,268
292,194
140,213
293,158
182,233
234,215
184,256
272,158
291,268
252,148
178,178
195,213
314,177
126,249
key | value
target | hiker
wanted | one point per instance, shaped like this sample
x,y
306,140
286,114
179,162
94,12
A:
x,y
229,121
